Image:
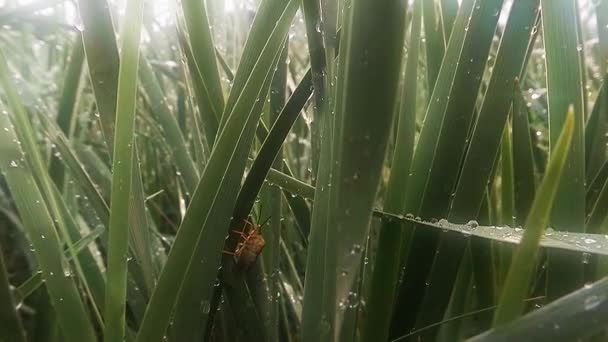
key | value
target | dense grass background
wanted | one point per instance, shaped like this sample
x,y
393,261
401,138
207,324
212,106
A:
x,y
432,170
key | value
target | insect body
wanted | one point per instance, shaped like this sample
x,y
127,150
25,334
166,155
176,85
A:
x,y
251,245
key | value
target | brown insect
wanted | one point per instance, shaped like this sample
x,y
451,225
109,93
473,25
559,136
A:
x,y
250,245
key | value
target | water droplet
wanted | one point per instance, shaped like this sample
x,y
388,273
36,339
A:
x,y
205,307
592,302
473,224
356,249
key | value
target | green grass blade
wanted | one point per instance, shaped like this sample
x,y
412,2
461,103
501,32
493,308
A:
x,y
573,317
565,88
449,10
76,168
515,290
207,115
203,52
40,230
507,203
595,137
102,60
524,184
35,281
264,21
436,45
387,262
123,156
357,145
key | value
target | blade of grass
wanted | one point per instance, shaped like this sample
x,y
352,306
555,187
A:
x,y
203,52
524,183
355,160
571,318
102,60
564,88
595,137
516,288
123,159
386,265
37,221
35,281
435,42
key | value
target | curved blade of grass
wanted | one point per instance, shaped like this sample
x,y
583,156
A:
x,y
40,229
262,164
187,322
270,148
76,167
11,328
123,159
102,60
206,114
199,241
571,318
203,53
515,289
387,262
35,281
564,88
60,215
265,19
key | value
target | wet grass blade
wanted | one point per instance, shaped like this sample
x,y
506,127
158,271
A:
x,y
102,60
524,184
203,53
122,175
356,151
35,281
573,317
516,287
565,88
387,262
40,229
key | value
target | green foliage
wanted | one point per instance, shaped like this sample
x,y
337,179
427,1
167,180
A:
x,y
396,149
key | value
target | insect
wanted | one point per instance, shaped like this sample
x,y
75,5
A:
x,y
250,245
